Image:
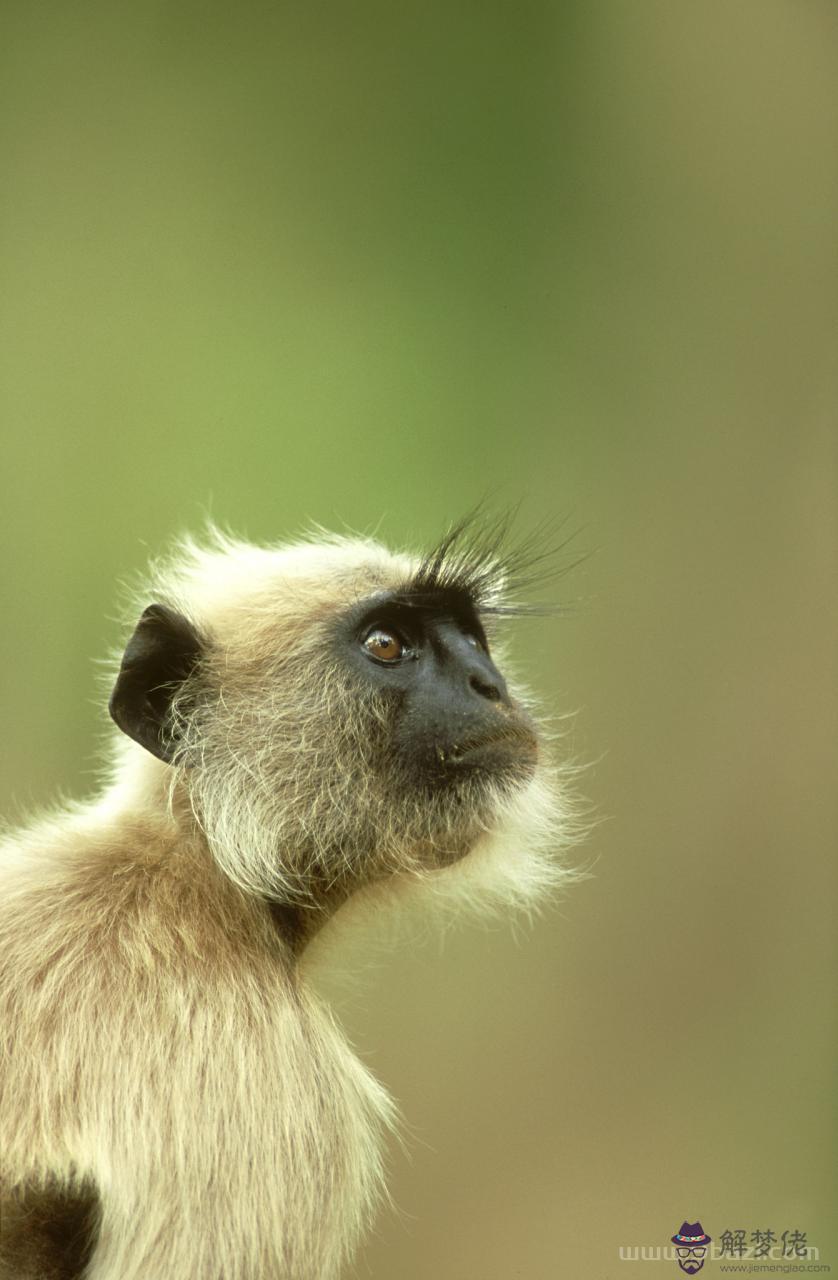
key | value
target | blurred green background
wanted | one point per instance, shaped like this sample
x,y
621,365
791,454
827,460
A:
x,y
364,264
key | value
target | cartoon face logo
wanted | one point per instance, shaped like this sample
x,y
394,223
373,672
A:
x,y
691,1245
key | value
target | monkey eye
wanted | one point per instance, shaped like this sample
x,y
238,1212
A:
x,y
475,641
384,645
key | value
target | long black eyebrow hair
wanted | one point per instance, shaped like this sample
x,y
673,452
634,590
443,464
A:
x,y
480,558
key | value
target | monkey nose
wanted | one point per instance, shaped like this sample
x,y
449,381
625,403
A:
x,y
486,688
484,680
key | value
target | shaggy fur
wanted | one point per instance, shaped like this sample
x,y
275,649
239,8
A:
x,y
174,1099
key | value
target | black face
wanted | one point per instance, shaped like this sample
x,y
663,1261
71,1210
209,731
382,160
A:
x,y
453,719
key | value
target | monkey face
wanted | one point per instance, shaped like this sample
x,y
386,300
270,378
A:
x,y
425,742
333,714
451,724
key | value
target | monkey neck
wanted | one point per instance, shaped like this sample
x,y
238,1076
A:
x,y
297,924
142,802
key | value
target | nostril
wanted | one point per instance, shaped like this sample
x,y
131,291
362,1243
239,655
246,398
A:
x,y
485,688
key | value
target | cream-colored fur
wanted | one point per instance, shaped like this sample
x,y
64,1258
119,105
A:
x,y
161,1047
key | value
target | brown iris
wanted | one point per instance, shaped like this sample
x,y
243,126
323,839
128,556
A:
x,y
384,645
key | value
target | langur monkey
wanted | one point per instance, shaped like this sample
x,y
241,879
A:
x,y
301,725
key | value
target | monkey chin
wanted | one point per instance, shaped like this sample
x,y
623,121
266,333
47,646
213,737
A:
x,y
512,863
503,814
497,858
475,775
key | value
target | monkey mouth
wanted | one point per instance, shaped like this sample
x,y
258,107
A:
x,y
506,744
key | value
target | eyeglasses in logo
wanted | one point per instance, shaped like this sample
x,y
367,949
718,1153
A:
x,y
691,1244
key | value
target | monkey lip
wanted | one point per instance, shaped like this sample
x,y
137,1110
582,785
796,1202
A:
x,y
511,740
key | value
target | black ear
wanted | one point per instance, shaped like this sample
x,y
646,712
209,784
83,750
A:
x,y
159,656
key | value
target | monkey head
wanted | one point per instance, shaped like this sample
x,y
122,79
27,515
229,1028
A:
x,y
333,715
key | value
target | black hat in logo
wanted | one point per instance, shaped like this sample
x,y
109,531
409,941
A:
x,y
692,1235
